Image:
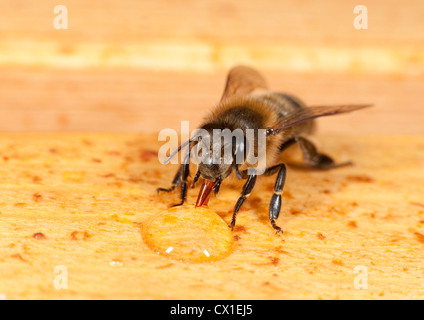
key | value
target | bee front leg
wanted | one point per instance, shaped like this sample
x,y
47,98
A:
x,y
185,172
247,189
275,204
180,179
195,179
175,182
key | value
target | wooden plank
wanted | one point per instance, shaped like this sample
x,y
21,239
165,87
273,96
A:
x,y
116,100
91,195
194,35
141,66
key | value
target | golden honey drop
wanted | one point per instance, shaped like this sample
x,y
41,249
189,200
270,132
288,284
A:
x,y
188,234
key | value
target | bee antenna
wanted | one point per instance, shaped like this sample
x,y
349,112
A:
x,y
179,149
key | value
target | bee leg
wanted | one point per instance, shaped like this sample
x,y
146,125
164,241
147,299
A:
x,y
315,159
287,144
184,175
196,177
275,204
175,182
247,189
180,179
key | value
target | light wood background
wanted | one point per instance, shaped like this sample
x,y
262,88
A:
x,y
141,66
131,68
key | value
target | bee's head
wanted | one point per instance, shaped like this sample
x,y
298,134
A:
x,y
215,161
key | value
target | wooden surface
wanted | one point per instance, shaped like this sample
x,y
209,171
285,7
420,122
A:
x,y
202,36
90,195
147,102
141,66
81,200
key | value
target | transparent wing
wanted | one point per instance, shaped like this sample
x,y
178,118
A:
x,y
310,113
243,80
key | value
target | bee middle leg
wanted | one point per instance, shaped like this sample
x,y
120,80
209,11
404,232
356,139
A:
x,y
275,204
315,159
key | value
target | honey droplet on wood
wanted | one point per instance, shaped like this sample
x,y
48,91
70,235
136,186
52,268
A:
x,y
188,234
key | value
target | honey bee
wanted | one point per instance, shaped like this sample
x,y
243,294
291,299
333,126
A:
x,y
280,119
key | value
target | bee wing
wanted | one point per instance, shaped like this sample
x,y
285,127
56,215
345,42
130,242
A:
x,y
243,80
310,113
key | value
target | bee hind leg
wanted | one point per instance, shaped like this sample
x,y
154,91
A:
x,y
315,159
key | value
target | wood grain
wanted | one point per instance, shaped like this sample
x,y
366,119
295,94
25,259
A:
x,y
81,201
116,100
203,35
142,66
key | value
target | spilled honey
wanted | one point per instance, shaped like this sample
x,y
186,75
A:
x,y
188,234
